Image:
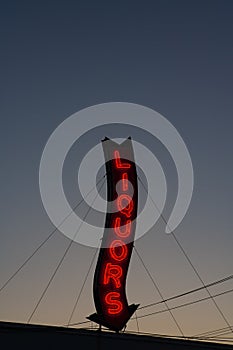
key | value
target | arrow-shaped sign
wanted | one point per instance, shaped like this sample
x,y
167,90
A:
x,y
110,299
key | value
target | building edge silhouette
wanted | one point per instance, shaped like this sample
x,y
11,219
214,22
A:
x,y
20,334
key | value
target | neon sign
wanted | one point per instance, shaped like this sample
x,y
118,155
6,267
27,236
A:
x,y
110,299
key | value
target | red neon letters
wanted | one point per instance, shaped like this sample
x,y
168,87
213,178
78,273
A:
x,y
119,231
125,182
125,204
118,249
113,272
116,305
118,163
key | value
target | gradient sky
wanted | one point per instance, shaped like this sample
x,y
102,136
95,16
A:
x,y
58,57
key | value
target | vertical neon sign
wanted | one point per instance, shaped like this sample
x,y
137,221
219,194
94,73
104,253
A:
x,y
110,299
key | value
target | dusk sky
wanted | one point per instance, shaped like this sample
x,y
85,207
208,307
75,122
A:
x,y
176,57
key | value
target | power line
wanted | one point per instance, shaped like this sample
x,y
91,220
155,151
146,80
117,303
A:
x,y
188,292
79,323
187,257
195,337
80,292
156,335
136,317
61,260
198,275
161,296
220,335
221,338
213,332
187,304
225,340
46,239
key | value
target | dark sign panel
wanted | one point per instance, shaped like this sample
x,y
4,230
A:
x,y
110,299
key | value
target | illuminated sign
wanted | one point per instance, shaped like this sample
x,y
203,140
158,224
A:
x,y
110,299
